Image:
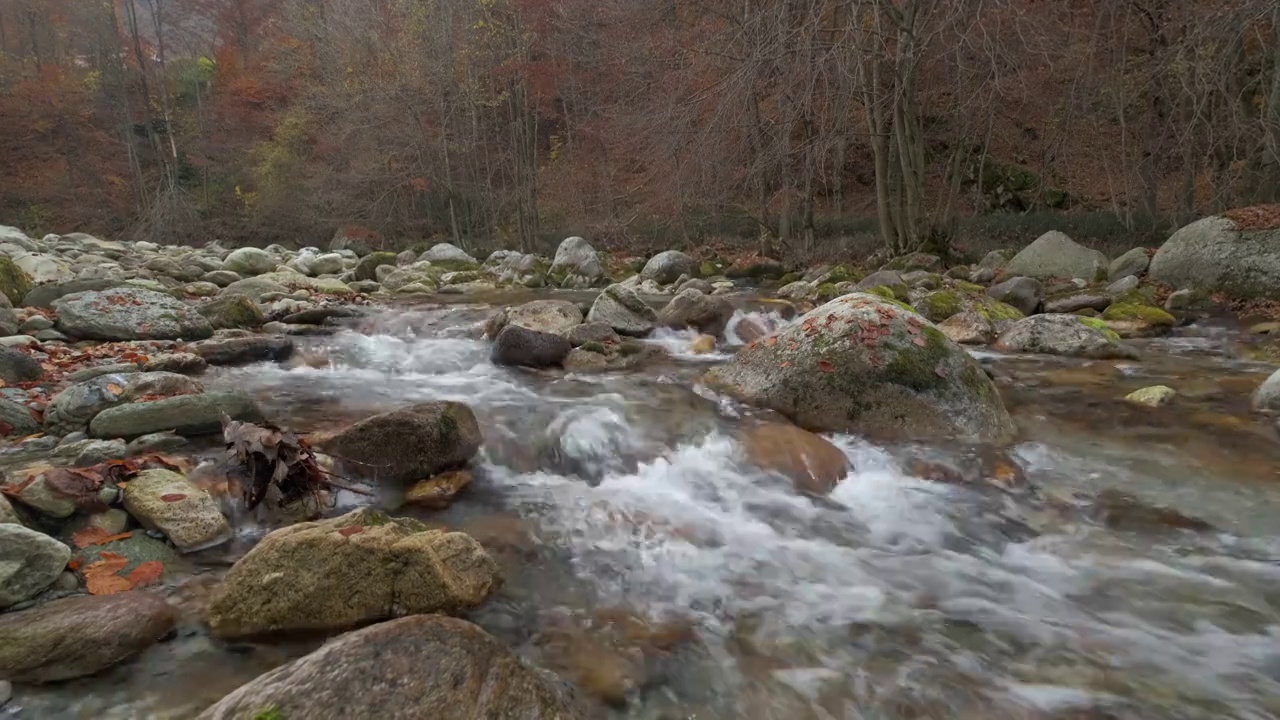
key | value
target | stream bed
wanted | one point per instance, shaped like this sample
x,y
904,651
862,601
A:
x,y
668,579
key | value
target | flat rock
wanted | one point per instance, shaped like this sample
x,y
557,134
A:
x,y
1064,335
621,308
244,350
185,415
80,636
166,501
29,562
129,314
348,571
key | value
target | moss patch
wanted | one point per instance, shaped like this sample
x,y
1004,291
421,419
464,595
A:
x,y
842,273
14,283
789,278
940,304
827,291
1149,314
886,293
455,265
630,347
1101,327
269,713
594,347
917,368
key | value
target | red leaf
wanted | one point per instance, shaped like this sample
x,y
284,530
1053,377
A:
x,y
919,341
146,573
173,497
352,530
826,366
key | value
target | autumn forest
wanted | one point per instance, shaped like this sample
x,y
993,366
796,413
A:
x,y
794,126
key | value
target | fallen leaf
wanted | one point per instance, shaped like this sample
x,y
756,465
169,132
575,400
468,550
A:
x,y
89,536
919,341
146,573
785,364
104,584
826,366
75,564
173,497
352,530
771,340
115,389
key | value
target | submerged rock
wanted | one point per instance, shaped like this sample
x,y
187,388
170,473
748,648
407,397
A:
x,y
427,438
344,572
1064,335
1154,396
868,365
812,463
79,636
423,667
129,314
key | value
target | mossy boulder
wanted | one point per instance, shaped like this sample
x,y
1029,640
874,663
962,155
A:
x,y
914,261
886,278
1058,334
14,282
939,305
1137,319
232,311
367,268
864,365
428,438
1154,396
348,571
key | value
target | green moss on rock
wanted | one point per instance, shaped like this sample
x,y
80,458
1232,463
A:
x,y
455,265
1149,314
885,292
1097,324
827,291
14,282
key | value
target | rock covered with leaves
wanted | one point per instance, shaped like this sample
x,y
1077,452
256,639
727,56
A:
x,y
864,364
129,314
345,572
420,666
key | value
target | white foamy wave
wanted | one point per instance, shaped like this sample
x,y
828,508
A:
x,y
765,320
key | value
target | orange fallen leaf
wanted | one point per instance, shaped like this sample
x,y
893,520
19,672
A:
x,y
771,340
104,584
826,366
352,530
75,564
115,389
173,497
89,536
146,573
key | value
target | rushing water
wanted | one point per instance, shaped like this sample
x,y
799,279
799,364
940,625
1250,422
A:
x,y
899,597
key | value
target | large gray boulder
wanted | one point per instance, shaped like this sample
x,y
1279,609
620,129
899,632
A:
x,y
576,263
519,346
411,443
692,309
1064,335
1219,254
80,636
1134,262
367,268
1053,254
448,256
45,268
348,571
1023,293
29,562
865,365
129,314
46,295
548,316
424,666
248,261
254,288
667,267
185,415
621,308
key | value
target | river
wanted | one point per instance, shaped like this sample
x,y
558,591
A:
x,y
650,564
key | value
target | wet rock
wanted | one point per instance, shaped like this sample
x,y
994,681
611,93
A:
x,y
798,290
403,280
232,311
185,415
129,314
80,636
582,360
248,262
1219,254
622,309
425,666
90,373
244,350
666,267
89,452
1154,396
1267,397
698,284
1138,319
161,442
576,263
7,513
692,309
592,332
1123,285
1064,335
29,562
73,408
969,328
18,367
1187,301
36,493
812,463
547,316
341,573
702,345
320,315
438,492
429,438
520,346
1056,255
16,419
866,365
1077,301
182,363
186,514
1023,293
